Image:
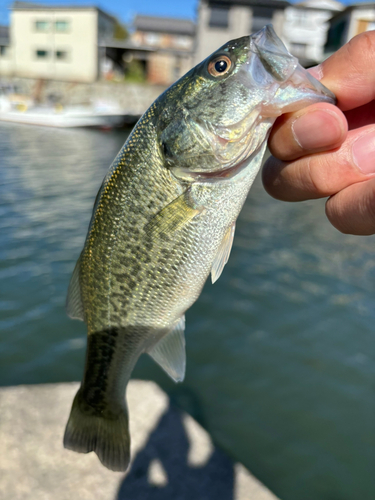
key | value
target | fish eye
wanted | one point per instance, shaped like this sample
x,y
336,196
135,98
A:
x,y
219,66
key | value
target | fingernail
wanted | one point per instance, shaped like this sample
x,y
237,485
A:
x,y
316,71
363,150
317,130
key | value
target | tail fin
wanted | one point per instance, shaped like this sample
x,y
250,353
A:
x,y
105,433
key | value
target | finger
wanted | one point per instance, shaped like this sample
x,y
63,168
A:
x,y
318,127
352,210
323,174
350,72
359,117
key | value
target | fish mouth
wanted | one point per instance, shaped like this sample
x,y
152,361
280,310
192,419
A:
x,y
281,67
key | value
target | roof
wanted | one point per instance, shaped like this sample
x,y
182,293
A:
x,y
124,44
277,4
164,25
37,6
361,5
350,8
330,5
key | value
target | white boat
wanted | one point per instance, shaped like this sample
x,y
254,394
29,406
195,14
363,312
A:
x,y
91,115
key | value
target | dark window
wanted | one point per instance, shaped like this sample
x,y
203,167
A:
x,y
42,54
61,55
3,50
261,17
219,17
336,36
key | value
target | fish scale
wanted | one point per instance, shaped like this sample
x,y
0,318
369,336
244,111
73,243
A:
x,y
164,218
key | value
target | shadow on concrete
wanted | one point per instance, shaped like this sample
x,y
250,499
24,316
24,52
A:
x,y
169,445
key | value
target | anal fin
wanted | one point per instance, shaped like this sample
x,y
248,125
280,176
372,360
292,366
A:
x,y
222,256
169,352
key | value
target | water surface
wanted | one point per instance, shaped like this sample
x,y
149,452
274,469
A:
x,y
280,351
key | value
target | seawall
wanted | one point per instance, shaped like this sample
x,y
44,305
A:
x,y
173,457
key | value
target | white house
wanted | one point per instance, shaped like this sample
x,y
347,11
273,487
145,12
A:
x,y
355,19
306,26
55,42
222,20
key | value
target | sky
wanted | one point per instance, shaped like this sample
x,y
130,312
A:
x,y
125,10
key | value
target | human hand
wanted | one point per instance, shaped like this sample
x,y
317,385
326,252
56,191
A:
x,y
324,150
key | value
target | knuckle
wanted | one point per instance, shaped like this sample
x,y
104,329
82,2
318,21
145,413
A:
x,y
361,50
369,204
318,172
363,41
352,211
336,214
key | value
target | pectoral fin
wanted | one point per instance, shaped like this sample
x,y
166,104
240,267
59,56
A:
x,y
223,253
74,306
169,352
174,216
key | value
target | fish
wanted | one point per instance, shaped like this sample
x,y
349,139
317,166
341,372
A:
x,y
164,220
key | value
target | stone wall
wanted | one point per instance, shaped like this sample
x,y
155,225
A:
x,y
133,98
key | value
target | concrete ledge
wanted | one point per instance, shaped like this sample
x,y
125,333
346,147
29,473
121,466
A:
x,y
173,458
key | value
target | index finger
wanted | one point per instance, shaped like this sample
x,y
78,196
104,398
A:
x,y
350,72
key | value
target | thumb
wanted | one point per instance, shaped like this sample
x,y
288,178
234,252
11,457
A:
x,y
323,174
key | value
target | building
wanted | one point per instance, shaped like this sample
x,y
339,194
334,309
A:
x,y
55,42
223,20
350,22
306,26
170,46
5,59
4,40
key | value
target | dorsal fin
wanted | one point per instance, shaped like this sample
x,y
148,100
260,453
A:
x,y
169,352
74,306
222,256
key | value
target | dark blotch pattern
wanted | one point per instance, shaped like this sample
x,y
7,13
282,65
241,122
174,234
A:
x,y
100,352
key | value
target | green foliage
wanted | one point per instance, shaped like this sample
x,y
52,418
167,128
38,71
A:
x,y
120,32
134,72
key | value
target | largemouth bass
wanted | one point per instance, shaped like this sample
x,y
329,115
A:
x,y
164,219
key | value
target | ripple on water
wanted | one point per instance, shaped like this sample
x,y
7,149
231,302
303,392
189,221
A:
x,y
280,364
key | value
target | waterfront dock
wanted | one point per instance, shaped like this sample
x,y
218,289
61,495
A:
x,y
131,98
173,457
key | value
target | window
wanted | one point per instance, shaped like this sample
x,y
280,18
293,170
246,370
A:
x,y
61,55
219,17
303,18
41,54
153,39
3,50
42,26
183,42
336,36
61,26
